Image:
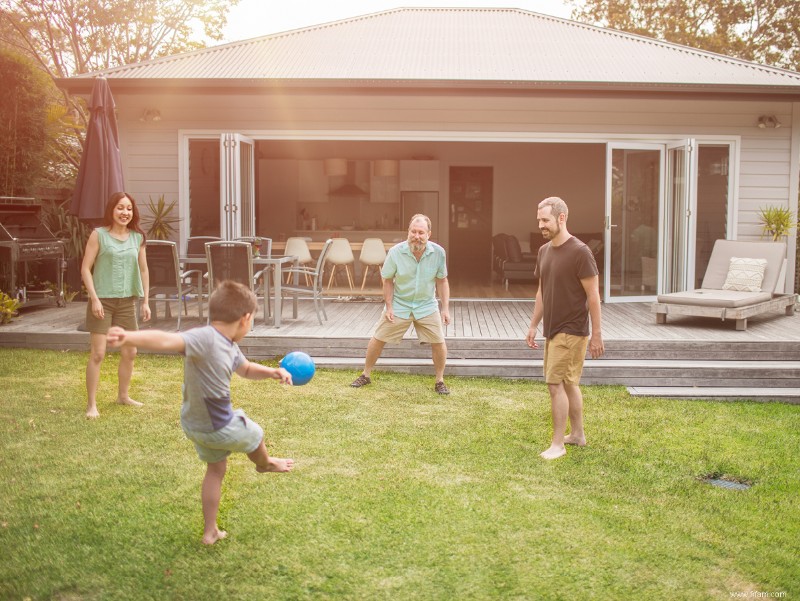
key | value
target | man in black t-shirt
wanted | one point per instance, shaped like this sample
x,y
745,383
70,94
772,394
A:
x,y
568,295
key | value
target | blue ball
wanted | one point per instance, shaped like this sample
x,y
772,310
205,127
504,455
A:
x,y
300,365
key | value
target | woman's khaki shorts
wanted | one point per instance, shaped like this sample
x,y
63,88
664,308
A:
x,y
116,312
429,328
563,358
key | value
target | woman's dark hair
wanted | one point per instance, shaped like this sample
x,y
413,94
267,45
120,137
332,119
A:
x,y
108,216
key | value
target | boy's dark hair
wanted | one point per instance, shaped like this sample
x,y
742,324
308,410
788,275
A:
x,y
231,301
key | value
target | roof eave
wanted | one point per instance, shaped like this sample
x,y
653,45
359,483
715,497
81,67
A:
x,y
83,85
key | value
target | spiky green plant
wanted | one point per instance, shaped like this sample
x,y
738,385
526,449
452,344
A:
x,y
161,225
8,308
68,227
776,221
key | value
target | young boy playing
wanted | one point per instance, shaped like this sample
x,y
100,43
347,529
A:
x,y
207,415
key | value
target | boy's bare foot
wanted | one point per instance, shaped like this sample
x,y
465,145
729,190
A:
x,y
92,413
579,441
276,464
553,452
128,401
211,537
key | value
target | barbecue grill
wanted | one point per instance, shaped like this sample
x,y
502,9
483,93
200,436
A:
x,y
30,255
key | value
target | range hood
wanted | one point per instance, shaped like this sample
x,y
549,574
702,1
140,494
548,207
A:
x,y
345,186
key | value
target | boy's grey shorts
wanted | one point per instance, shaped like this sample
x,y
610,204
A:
x,y
241,435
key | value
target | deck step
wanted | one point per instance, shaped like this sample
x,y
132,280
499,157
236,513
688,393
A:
x,y
788,395
637,373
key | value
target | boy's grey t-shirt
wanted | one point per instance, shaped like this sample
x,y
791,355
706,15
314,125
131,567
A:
x,y
210,362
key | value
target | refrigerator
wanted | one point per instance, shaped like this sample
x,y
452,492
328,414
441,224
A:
x,y
426,203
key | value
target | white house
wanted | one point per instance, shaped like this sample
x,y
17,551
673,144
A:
x,y
473,115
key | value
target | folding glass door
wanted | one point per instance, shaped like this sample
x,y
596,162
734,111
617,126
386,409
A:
x,y
634,182
237,188
220,183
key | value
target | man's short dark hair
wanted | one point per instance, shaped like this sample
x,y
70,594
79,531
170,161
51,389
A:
x,y
231,301
557,206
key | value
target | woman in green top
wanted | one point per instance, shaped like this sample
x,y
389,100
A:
x,y
114,271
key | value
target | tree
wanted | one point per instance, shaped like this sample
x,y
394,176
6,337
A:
x,y
71,37
23,123
763,31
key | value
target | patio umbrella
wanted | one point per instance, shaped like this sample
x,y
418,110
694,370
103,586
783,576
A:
x,y
100,171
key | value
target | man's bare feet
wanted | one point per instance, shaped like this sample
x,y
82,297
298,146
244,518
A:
x,y
579,441
210,538
553,452
128,401
276,464
92,413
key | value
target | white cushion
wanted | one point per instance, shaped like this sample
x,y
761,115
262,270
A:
x,y
745,274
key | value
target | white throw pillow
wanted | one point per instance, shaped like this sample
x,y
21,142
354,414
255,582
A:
x,y
745,275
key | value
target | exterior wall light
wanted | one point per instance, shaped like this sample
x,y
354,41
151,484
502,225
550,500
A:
x,y
768,122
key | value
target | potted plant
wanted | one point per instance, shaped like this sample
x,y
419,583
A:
x,y
776,221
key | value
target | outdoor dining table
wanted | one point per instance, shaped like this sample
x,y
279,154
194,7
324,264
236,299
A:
x,y
277,263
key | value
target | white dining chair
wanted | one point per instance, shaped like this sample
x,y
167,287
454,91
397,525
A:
x,y
298,247
373,254
341,254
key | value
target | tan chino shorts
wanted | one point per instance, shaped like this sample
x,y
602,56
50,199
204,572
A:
x,y
429,328
563,358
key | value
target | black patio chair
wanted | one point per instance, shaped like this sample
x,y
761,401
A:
x,y
168,282
233,260
315,277
196,245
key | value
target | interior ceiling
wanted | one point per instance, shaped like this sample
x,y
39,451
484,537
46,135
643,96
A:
x,y
400,150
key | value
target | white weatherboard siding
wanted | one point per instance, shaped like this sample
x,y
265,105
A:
x,y
150,150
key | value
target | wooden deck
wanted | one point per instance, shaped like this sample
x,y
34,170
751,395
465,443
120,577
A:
x,y
486,337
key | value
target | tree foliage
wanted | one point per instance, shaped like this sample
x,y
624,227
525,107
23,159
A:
x,y
72,37
23,123
764,31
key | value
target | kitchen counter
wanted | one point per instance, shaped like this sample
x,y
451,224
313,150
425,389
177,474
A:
x,y
358,235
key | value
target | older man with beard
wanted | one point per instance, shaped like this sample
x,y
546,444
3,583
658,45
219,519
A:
x,y
567,296
412,272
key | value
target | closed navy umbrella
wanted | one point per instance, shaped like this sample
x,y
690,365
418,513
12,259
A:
x,y
100,172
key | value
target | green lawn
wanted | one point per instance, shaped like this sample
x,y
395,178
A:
x,y
397,493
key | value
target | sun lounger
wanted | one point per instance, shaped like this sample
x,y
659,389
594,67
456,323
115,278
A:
x,y
714,300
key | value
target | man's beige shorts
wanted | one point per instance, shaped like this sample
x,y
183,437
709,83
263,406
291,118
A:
x,y
563,358
429,328
116,312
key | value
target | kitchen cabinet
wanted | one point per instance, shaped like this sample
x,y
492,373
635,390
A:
x,y
384,189
419,176
312,183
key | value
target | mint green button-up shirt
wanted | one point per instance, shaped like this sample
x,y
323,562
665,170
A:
x,y
116,268
414,281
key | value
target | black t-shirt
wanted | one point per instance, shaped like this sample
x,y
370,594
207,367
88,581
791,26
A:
x,y
560,270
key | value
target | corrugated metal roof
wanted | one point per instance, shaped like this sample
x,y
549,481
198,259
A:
x,y
460,46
